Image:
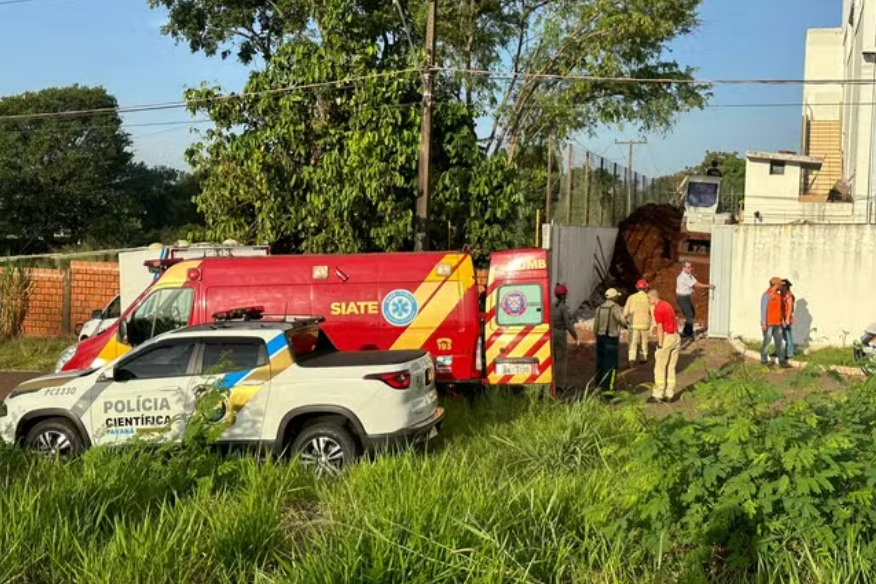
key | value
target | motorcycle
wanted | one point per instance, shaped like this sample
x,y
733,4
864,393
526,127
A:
x,y
865,350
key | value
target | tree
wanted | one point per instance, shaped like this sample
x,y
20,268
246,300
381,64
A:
x,y
164,198
334,169
545,38
60,174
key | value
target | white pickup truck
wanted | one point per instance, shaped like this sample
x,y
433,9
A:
x,y
283,386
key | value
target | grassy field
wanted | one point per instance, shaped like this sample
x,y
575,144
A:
x,y
516,489
31,354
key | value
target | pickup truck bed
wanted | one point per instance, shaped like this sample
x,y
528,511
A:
x,y
357,358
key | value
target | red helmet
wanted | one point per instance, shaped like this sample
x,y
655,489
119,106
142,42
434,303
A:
x,y
641,285
561,290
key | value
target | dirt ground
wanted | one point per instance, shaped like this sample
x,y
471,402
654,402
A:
x,y
9,379
694,365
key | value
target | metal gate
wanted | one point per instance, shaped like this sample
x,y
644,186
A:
x,y
720,268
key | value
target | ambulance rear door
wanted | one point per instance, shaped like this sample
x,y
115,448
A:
x,y
517,321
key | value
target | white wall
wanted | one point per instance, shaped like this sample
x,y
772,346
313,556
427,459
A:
x,y
830,266
572,250
859,99
760,183
824,60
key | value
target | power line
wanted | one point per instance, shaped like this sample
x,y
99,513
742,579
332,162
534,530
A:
x,y
148,107
3,2
652,80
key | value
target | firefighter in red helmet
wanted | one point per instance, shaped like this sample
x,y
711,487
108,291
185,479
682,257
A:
x,y
561,326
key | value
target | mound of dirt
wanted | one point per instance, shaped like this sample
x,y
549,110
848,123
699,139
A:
x,y
647,247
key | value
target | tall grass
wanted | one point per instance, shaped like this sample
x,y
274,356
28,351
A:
x,y
15,284
516,489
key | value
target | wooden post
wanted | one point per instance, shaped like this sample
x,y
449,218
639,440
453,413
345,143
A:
x,y
569,183
587,188
537,228
547,196
66,298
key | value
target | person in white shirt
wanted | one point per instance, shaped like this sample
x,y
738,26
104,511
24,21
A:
x,y
684,289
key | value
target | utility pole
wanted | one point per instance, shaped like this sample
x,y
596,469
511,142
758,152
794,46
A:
x,y
630,143
421,228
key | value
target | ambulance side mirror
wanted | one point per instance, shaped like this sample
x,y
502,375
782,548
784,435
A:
x,y
122,331
107,376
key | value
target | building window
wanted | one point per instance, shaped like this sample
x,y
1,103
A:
x,y
777,168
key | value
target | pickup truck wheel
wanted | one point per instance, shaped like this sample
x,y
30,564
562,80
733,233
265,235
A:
x,y
54,437
326,447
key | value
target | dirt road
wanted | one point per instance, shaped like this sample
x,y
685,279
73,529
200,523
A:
x,y
9,379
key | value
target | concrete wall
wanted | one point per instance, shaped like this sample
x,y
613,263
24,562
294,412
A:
x,y
574,250
830,267
824,60
777,198
859,34
780,187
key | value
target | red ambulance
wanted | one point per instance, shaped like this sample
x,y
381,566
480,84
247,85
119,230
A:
x,y
370,301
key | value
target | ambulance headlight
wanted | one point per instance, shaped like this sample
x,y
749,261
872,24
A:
x,y
65,358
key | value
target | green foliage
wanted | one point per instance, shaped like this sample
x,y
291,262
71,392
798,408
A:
x,y
55,174
334,170
515,489
29,354
72,179
748,482
333,167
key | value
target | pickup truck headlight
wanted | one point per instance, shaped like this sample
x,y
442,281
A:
x,y
65,358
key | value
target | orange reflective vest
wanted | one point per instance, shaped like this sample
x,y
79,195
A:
x,y
772,308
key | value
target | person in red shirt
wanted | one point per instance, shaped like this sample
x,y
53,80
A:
x,y
668,347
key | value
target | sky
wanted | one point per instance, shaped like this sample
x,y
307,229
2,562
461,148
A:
x,y
118,44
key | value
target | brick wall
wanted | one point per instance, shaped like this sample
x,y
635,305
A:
x,y
91,286
44,308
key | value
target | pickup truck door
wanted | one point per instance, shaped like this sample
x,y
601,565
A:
x,y
148,395
240,371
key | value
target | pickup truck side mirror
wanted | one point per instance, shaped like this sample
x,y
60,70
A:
x,y
97,315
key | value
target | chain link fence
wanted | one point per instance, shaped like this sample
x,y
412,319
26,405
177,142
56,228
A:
x,y
589,189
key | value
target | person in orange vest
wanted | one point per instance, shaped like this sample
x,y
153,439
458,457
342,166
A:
x,y
772,319
788,328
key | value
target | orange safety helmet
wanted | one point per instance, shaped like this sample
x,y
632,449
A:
x,y
641,285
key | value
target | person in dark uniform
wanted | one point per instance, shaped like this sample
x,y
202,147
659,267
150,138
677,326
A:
x,y
561,326
714,170
607,324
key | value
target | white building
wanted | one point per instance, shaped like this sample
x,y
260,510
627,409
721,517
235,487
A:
x,y
839,120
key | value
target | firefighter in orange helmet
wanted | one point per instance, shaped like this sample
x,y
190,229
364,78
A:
x,y
561,326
